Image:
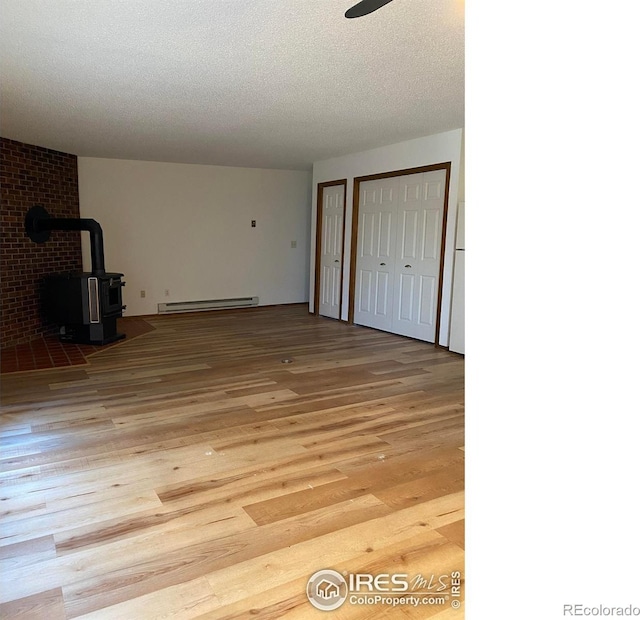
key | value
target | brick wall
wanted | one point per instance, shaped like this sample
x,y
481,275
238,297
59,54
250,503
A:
x,y
31,175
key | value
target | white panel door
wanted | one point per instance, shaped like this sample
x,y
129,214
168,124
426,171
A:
x,y
375,263
456,335
419,233
331,251
460,227
399,252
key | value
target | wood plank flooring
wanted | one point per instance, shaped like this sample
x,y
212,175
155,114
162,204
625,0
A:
x,y
189,473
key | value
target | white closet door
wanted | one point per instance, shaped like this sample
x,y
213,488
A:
x,y
331,252
375,263
419,234
398,254
456,336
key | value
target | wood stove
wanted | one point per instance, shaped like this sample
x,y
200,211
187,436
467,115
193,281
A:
x,y
85,305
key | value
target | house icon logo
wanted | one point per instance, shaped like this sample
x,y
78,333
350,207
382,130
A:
x,y
326,590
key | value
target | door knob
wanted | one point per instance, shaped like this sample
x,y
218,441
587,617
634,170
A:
x,y
336,261
382,264
408,266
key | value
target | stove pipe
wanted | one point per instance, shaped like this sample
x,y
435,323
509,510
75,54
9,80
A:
x,y
39,224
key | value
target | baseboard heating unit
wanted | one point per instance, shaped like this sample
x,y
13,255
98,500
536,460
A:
x,y
207,304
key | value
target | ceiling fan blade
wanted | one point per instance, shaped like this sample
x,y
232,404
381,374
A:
x,y
365,7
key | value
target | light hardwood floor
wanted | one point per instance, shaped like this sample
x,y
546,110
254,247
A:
x,y
189,473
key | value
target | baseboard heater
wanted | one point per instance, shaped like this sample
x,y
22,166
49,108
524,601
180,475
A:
x,y
207,304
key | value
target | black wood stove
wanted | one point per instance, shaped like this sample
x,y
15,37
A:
x,y
84,305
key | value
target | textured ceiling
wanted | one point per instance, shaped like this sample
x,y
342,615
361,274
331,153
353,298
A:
x,y
255,83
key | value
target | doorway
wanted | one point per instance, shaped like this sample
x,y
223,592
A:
x,y
329,248
397,250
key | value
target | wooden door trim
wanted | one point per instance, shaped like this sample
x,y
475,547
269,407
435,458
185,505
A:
x,y
319,205
354,231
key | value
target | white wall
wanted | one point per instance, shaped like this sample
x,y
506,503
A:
x,y
461,186
444,147
187,228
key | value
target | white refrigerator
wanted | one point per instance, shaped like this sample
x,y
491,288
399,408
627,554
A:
x,y
456,333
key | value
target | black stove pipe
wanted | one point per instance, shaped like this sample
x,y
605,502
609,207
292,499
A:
x,y
95,230
38,225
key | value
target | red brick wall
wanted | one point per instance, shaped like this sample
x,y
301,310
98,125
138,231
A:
x,y
31,175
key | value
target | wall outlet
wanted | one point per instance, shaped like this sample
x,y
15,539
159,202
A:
x,y
294,244
253,223
143,294
166,292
